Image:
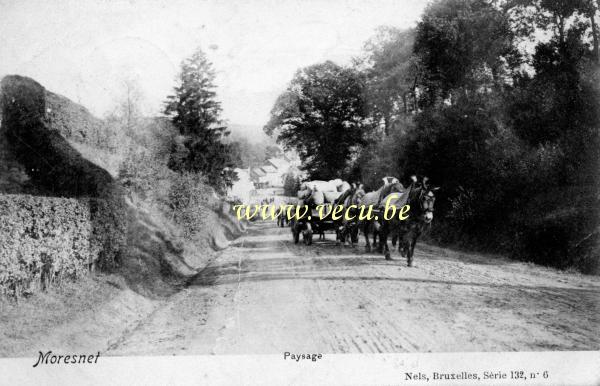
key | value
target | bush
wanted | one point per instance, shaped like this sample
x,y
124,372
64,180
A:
x,y
190,202
109,217
142,174
51,161
184,198
44,240
560,228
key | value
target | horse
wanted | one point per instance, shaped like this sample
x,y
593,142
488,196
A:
x,y
312,197
349,198
374,199
421,198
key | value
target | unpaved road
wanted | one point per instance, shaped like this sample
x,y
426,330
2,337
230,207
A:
x,y
267,295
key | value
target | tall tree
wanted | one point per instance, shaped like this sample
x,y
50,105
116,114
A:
x,y
463,46
391,75
291,185
195,112
559,103
130,107
322,115
558,17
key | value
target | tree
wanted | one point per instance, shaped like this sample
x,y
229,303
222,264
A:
x,y
390,74
463,46
195,113
125,123
272,151
291,185
591,11
247,154
558,103
130,106
558,17
322,115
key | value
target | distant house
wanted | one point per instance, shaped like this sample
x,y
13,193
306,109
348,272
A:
x,y
269,169
257,175
264,180
275,170
280,164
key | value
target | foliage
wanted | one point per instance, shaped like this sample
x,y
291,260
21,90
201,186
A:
x,y
462,46
248,154
76,124
141,173
48,239
512,139
190,199
184,198
195,112
382,158
273,151
322,115
559,105
52,163
391,75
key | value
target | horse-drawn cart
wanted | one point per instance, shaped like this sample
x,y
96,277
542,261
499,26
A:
x,y
321,197
314,222
311,223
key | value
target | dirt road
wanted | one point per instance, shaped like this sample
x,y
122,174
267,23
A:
x,y
267,295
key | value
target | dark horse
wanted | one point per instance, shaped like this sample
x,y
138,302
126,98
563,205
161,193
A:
x,y
350,200
421,198
376,199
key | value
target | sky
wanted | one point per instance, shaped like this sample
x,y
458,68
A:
x,y
87,50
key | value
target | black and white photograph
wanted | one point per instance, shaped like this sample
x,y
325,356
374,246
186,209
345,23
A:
x,y
300,192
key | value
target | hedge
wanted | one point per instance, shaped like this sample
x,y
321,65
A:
x,y
44,240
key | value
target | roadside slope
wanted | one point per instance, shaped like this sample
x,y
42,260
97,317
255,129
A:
x,y
47,149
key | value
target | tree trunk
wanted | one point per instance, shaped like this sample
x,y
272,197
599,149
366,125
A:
x,y
560,22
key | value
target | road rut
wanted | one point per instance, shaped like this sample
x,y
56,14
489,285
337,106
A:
x,y
265,295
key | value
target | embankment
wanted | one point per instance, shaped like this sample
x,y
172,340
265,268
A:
x,y
64,214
